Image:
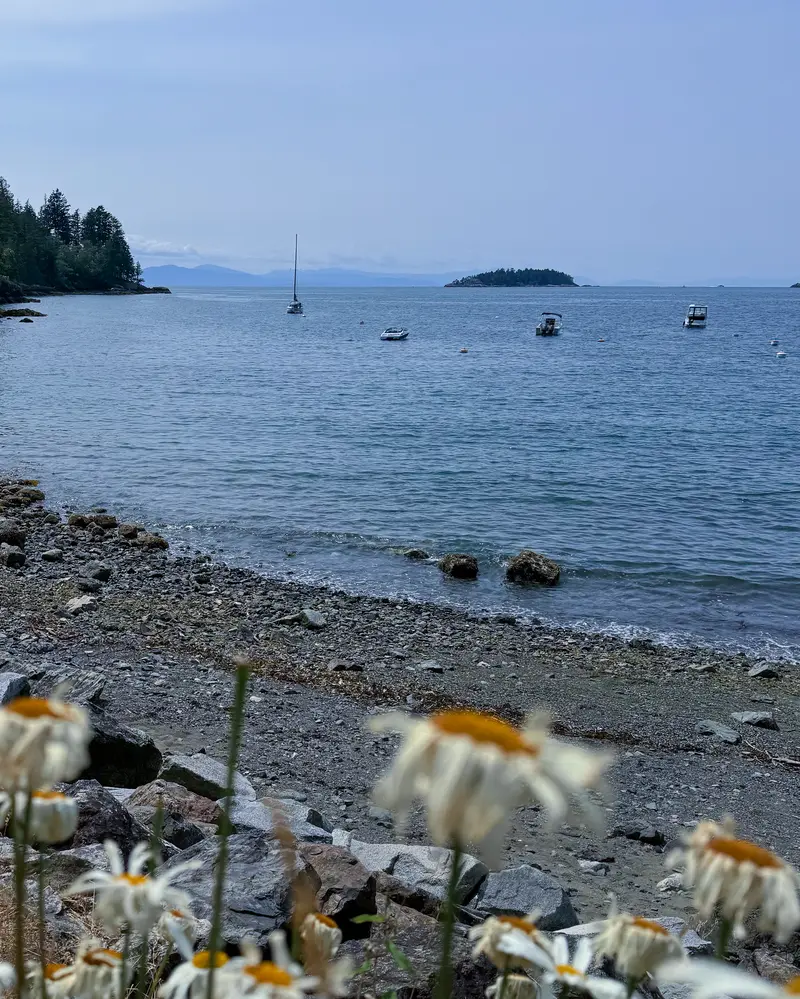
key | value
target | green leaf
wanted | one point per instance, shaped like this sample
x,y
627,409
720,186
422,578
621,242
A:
x,y
365,917
398,956
389,995
363,968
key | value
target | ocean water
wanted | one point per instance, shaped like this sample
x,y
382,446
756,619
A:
x,y
659,466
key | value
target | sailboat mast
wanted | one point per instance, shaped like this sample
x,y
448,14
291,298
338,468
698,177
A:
x,y
294,285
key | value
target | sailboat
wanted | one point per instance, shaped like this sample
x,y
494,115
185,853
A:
x,y
295,307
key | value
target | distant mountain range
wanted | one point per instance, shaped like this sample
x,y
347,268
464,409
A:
x,y
211,276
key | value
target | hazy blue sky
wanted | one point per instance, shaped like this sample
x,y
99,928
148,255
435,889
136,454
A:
x,y
611,138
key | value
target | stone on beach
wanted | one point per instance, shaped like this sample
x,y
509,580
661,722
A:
x,y
176,798
153,542
53,555
459,566
102,817
97,570
724,732
13,685
121,756
347,888
763,671
520,890
530,567
12,556
77,605
761,719
205,776
247,814
11,533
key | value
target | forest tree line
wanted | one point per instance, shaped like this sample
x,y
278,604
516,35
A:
x,y
525,277
58,248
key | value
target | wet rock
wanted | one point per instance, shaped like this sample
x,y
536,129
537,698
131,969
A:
x,y
78,520
205,776
102,817
247,815
530,567
519,890
176,798
128,531
97,570
425,867
13,685
27,319
121,756
12,556
459,566
347,888
761,719
724,732
416,554
104,520
53,555
152,542
258,893
763,671
11,534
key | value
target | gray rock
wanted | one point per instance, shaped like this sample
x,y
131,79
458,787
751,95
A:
x,y
120,756
258,893
344,666
530,567
88,585
459,566
724,732
763,671
247,815
102,817
122,794
175,828
416,554
299,811
431,666
594,867
176,798
381,815
312,619
11,534
12,556
129,531
205,776
13,685
98,570
693,943
761,719
64,866
53,555
347,888
423,867
80,604
521,889
651,835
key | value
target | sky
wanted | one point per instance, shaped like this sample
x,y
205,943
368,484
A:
x,y
613,139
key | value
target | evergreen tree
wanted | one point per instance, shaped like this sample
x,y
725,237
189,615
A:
x,y
56,217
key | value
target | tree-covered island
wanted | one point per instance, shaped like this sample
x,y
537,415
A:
x,y
525,277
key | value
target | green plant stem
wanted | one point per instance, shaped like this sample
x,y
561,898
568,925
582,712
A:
x,y
237,724
20,826
724,937
141,976
503,984
42,963
444,983
123,970
632,984
160,970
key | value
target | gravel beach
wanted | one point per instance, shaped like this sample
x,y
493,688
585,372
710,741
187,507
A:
x,y
154,637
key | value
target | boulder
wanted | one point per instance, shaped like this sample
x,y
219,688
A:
x,y
761,719
763,671
53,555
312,619
176,798
415,935
102,817
459,566
724,732
97,570
64,866
13,685
258,894
299,811
175,828
347,889
88,585
693,943
120,756
247,814
424,867
104,520
77,520
128,531
530,567
519,890
12,556
11,533
77,605
410,898
205,776
416,554
153,542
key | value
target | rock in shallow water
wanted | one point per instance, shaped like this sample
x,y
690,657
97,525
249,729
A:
x,y
530,567
459,566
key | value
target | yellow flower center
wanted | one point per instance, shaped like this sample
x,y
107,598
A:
x,y
518,923
177,914
49,796
325,920
651,925
202,959
267,973
134,880
792,987
40,707
51,970
101,957
567,969
743,852
484,729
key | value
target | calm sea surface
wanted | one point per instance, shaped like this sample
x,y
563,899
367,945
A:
x,y
661,467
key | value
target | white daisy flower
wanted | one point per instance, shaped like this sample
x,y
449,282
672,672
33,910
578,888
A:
x,y
636,945
53,816
175,922
42,742
558,970
281,978
710,979
489,933
335,980
59,980
321,935
190,979
97,972
8,976
514,987
127,896
472,770
739,878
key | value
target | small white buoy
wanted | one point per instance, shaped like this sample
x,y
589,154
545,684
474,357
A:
x,y
781,353
773,343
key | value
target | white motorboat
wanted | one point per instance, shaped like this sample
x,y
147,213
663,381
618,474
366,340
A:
x,y
696,317
550,324
394,333
295,307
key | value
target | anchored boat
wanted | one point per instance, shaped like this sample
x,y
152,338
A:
x,y
394,333
549,324
696,317
295,307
